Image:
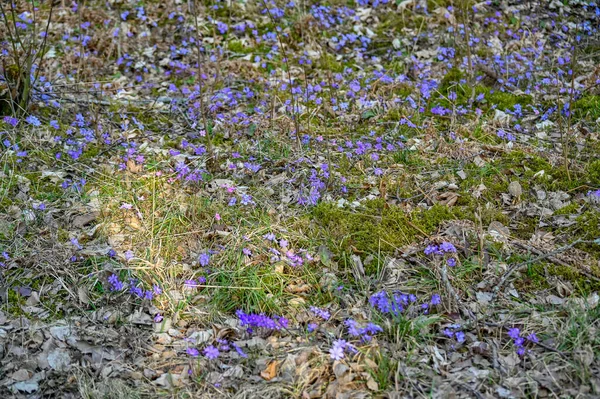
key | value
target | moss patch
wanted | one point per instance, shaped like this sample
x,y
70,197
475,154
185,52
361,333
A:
x,y
378,227
588,106
593,172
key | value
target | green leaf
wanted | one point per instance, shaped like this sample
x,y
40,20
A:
x,y
368,114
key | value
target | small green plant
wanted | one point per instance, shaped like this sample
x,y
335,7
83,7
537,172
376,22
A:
x,y
22,64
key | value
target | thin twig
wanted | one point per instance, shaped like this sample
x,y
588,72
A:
x,y
513,268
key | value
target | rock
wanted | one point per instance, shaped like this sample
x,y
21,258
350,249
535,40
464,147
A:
x,y
515,189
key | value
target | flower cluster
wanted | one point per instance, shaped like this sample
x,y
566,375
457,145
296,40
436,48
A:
x,y
211,352
115,284
445,248
594,193
194,283
253,320
519,341
322,313
143,294
365,333
454,331
339,347
398,302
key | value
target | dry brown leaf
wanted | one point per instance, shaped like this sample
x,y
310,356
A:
x,y
270,371
133,167
297,288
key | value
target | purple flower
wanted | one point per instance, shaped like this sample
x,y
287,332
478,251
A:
x,y
354,86
451,262
337,349
190,283
595,193
246,200
533,338
352,327
261,321
193,352
447,247
460,336
128,255
158,318
32,120
76,243
204,259
11,121
211,352
322,313
270,237
239,350
431,249
514,333
435,299
115,284
520,351
312,327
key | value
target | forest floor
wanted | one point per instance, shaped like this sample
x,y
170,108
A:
x,y
341,199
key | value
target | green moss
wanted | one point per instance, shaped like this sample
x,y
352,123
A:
x,y
452,77
535,278
528,165
253,289
502,100
379,227
328,62
14,303
238,47
429,220
593,172
408,157
396,21
589,224
567,210
588,106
